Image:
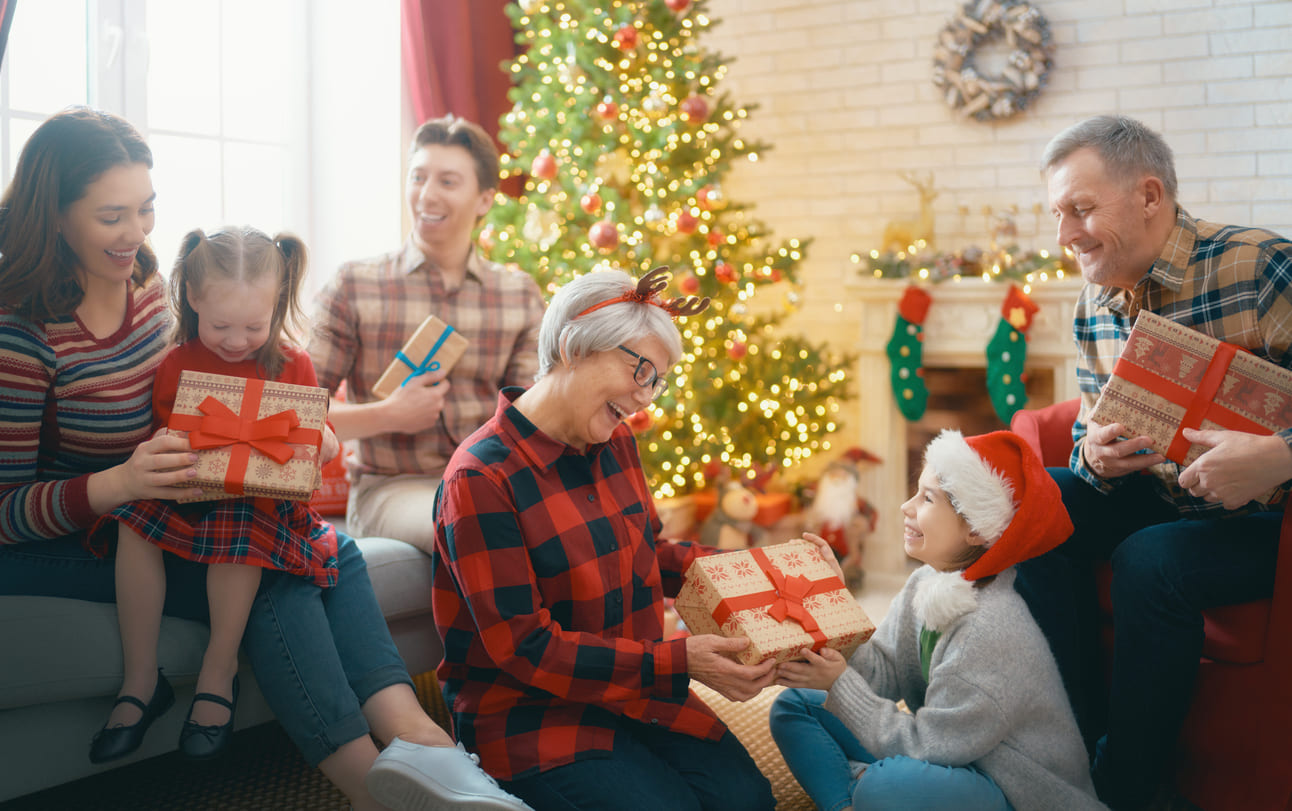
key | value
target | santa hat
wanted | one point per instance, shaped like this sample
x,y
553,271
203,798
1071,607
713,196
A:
x,y
1000,487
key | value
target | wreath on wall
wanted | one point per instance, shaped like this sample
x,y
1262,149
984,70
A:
x,y
1022,29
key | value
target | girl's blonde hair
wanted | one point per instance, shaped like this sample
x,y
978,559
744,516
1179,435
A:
x,y
242,254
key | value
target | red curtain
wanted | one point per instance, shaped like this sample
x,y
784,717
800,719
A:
x,y
452,54
6,18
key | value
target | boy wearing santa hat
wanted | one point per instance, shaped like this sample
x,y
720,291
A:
x,y
986,722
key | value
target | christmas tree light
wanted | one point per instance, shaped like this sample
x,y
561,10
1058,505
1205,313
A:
x,y
623,140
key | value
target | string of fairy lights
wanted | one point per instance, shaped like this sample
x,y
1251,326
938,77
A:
x,y
622,139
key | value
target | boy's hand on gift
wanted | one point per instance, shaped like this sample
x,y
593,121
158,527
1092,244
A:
x,y
1237,467
416,407
709,661
817,671
826,552
1109,456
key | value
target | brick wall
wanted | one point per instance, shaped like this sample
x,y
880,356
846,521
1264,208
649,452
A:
x,y
846,101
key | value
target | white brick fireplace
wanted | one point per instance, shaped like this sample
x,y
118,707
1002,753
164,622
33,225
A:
x,y
962,319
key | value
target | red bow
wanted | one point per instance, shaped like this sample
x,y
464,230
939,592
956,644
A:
x,y
221,426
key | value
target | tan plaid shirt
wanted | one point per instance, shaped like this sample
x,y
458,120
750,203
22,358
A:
x,y
1232,283
369,309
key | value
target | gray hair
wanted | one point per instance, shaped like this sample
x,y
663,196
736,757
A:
x,y
1127,147
580,336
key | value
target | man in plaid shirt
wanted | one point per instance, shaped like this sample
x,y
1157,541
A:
x,y
369,309
550,576
1181,539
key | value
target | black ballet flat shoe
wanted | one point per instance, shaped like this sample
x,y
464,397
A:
x,y
111,743
198,742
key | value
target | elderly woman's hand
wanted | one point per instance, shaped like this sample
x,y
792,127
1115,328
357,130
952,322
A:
x,y
708,661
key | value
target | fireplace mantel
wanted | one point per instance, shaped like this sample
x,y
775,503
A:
x,y
961,320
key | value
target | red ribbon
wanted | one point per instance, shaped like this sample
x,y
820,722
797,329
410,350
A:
x,y
784,600
218,426
1199,405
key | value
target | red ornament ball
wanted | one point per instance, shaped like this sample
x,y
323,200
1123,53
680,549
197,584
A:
x,y
590,202
639,421
544,166
716,237
724,273
705,197
607,110
737,350
626,38
689,285
677,5
695,109
604,235
687,222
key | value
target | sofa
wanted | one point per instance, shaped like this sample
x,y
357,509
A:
x,y
61,668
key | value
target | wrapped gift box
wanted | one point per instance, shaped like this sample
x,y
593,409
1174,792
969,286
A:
x,y
1171,377
783,597
434,346
252,437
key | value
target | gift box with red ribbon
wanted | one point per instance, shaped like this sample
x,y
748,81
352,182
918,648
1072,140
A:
x,y
1170,377
433,346
252,437
784,597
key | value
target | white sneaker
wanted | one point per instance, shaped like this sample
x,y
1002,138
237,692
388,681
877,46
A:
x,y
411,777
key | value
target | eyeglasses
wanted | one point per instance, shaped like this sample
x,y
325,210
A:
x,y
646,375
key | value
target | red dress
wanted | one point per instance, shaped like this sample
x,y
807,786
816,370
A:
x,y
272,533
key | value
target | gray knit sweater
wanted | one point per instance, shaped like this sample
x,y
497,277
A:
x,y
994,698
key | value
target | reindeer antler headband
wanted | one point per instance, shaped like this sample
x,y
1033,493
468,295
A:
x,y
647,292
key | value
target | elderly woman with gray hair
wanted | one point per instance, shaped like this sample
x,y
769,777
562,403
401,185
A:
x,y
550,579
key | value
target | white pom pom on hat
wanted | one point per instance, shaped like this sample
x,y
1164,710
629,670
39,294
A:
x,y
1000,487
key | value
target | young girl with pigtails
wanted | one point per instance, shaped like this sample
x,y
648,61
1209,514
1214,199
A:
x,y
235,295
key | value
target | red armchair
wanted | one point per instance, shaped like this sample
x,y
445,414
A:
x,y
1235,749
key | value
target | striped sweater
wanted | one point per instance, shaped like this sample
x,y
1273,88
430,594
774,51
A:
x,y
72,404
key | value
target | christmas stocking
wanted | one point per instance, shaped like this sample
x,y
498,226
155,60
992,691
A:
x,y
1007,352
906,353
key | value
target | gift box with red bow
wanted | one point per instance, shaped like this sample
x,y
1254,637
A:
x,y
783,597
252,437
433,346
1171,377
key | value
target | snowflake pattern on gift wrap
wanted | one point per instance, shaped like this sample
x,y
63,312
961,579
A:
x,y
288,474
719,573
838,597
264,469
745,568
793,560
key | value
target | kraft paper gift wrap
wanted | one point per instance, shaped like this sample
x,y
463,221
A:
x,y
435,345
784,597
252,437
1171,377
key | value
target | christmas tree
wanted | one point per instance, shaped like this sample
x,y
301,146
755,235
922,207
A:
x,y
623,141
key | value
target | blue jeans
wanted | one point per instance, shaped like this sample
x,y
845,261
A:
x,y
1165,572
817,747
318,654
652,769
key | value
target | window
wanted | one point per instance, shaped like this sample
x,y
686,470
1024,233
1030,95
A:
x,y
222,91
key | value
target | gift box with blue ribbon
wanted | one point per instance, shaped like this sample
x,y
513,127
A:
x,y
434,346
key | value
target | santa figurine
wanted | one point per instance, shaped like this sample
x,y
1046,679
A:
x,y
840,514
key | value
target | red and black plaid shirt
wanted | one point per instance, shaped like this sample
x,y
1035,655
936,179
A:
x,y
548,593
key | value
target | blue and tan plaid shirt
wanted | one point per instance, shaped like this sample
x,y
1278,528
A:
x,y
1232,283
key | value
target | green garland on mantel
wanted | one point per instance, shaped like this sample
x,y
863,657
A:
x,y
1010,264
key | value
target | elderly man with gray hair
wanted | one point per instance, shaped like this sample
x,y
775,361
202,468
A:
x,y
1180,538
